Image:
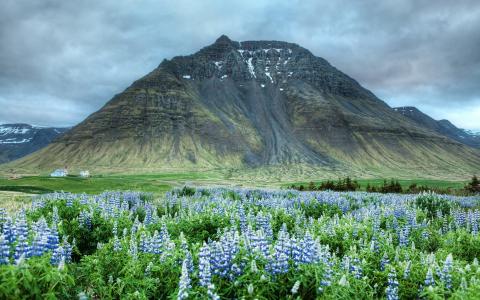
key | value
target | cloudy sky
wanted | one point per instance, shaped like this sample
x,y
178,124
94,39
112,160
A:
x,y
62,60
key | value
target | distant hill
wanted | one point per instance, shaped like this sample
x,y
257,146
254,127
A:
x,y
263,108
443,127
19,140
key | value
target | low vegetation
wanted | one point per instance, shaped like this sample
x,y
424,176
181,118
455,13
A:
x,y
391,186
217,243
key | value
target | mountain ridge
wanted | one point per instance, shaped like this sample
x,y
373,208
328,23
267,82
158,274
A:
x,y
444,127
19,139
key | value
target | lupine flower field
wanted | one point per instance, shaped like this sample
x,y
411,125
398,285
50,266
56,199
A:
x,y
218,243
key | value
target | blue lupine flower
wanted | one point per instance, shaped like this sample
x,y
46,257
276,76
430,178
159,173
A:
x,y
22,247
356,269
148,269
144,243
404,233
295,287
67,250
184,284
446,274
429,281
189,260
278,264
384,261
374,245
392,289
133,249
211,292
406,272
4,250
204,272
40,244
55,217
327,276
156,243
57,256
9,230
116,244
425,235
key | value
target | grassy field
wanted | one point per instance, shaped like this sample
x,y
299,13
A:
x,y
160,183
38,184
13,201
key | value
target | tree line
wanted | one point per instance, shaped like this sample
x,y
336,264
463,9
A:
x,y
388,186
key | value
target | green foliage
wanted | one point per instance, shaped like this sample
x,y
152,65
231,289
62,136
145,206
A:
x,y
36,279
432,204
102,273
316,210
346,184
474,185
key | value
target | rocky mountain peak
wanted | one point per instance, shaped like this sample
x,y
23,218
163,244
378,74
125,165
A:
x,y
223,39
268,63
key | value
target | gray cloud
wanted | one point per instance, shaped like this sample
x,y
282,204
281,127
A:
x,y
62,60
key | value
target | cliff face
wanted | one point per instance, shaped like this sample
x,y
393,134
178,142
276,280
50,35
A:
x,y
251,104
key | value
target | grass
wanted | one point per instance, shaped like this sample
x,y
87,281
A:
x,y
14,201
93,185
160,183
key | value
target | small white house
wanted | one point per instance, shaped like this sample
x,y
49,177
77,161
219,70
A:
x,y
59,173
85,174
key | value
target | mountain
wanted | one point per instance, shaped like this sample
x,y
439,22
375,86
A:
x,y
267,109
443,127
18,140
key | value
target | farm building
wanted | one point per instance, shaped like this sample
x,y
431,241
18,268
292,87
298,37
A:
x,y
59,173
85,174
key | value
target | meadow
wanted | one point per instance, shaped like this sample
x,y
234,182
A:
x,y
232,243
162,182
